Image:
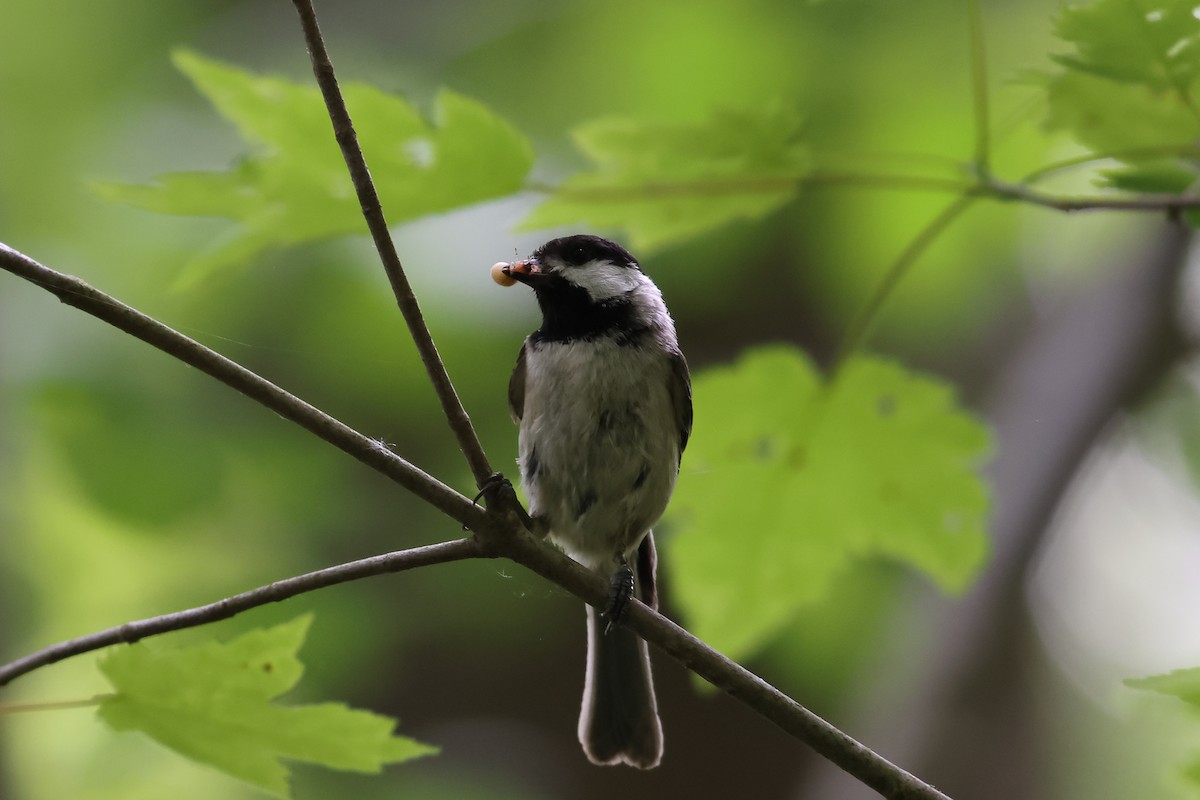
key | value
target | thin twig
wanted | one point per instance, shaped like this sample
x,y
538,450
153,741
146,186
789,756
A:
x,y
77,293
841,749
368,198
496,535
1124,154
746,185
985,186
989,187
883,180
1001,190
398,561
979,89
860,325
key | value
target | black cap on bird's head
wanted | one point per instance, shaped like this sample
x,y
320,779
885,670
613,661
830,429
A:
x,y
582,250
562,257
585,285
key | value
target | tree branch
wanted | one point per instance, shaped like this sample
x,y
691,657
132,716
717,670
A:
x,y
368,198
1001,190
498,533
130,632
1189,151
983,186
77,293
730,677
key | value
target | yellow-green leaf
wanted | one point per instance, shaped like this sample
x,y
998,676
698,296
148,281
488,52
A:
x,y
665,183
293,186
786,481
213,703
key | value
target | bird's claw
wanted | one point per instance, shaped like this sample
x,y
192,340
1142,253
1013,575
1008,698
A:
x,y
491,487
620,592
500,495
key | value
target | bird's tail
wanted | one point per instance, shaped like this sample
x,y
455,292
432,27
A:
x,y
619,719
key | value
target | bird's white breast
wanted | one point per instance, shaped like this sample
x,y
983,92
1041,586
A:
x,y
599,444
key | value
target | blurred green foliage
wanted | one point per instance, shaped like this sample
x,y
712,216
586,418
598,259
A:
x,y
133,487
862,477
122,422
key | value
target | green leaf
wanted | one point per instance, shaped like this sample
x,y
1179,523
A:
x,y
1182,683
1118,118
211,703
1155,43
294,186
1152,177
1185,685
787,481
1157,177
665,183
1128,88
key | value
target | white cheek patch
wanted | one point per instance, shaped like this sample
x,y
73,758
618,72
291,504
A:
x,y
604,280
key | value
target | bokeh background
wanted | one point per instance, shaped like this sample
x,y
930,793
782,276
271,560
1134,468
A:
x,y
131,486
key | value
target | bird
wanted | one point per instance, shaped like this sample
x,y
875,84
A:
x,y
602,396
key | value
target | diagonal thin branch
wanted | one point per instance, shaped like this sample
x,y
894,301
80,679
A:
x,y
368,198
497,534
860,326
130,632
77,293
983,186
1189,150
979,89
1156,202
727,675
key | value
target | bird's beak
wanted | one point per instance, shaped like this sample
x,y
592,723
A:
x,y
527,271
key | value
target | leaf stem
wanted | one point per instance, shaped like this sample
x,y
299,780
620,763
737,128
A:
x,y
14,708
1186,150
860,325
368,197
982,186
772,183
1001,190
979,89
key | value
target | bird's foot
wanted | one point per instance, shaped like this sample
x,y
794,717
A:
x,y
500,495
620,592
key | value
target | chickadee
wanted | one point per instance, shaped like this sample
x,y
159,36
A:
x,y
604,402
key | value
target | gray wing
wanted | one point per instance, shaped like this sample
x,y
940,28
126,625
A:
x,y
681,397
516,389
